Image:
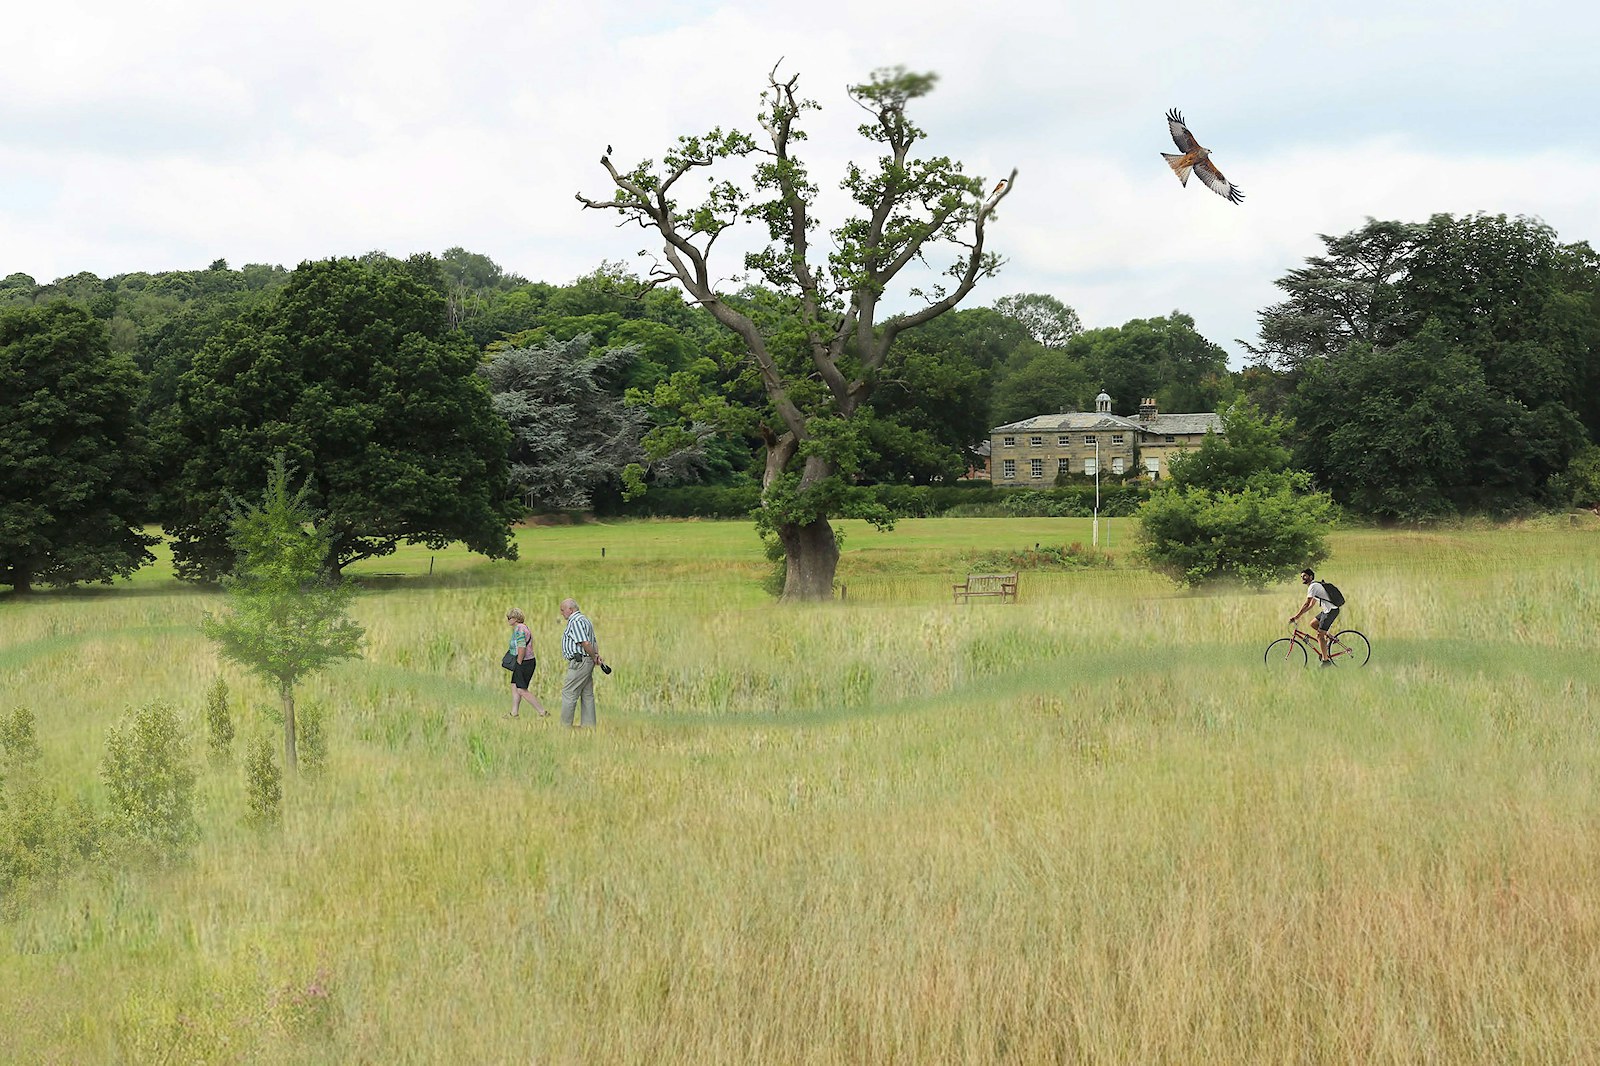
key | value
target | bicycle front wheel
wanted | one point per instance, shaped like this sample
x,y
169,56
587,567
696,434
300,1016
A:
x,y
1286,652
1349,647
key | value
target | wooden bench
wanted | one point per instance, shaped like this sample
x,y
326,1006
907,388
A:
x,y
1001,585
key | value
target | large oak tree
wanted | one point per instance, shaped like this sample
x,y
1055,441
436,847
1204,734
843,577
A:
x,y
353,376
1443,366
70,451
821,348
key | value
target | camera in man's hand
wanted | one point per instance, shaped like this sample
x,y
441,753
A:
x,y
605,668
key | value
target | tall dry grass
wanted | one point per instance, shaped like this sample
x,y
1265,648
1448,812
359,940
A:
x,y
1087,827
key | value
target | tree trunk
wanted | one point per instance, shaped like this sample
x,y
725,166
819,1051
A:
x,y
289,761
811,559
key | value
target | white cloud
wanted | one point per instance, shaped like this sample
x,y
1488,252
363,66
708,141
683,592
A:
x,y
140,137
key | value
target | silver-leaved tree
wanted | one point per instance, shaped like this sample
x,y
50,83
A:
x,y
816,332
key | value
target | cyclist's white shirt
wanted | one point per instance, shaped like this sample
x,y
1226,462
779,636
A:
x,y
1320,594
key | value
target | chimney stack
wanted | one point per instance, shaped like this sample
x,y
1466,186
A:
x,y
1147,409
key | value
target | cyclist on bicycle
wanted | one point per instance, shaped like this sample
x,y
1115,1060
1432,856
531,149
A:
x,y
1317,596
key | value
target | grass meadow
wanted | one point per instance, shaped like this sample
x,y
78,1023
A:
x,y
1087,827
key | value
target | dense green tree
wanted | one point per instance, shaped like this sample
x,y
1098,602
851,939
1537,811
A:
x,y
70,451
17,288
1416,431
1234,509
1488,330
472,271
1250,451
820,363
987,337
351,373
1266,388
1048,382
928,412
1526,308
1048,321
930,407
1166,359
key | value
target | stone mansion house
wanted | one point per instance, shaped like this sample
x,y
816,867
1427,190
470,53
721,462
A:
x,y
1036,450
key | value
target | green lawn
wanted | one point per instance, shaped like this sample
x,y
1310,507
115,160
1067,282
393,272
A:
x,y
1091,826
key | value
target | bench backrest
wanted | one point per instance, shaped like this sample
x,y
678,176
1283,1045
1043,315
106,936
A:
x,y
990,582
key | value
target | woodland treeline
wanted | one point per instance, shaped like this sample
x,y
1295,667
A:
x,y
1420,370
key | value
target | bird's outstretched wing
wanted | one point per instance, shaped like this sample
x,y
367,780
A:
x,y
1180,133
1213,179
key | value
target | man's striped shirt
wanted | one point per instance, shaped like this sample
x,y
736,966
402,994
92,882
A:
x,y
578,630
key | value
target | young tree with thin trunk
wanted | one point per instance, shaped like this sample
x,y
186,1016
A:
x,y
819,349
288,617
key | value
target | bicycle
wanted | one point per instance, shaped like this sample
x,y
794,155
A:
x,y
1348,647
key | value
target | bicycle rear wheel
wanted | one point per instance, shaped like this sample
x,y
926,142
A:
x,y
1349,647
1286,652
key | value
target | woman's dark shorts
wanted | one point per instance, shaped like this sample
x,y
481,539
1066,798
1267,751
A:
x,y
522,673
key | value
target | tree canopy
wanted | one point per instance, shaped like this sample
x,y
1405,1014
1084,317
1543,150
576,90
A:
x,y
571,435
71,451
1447,366
819,347
350,373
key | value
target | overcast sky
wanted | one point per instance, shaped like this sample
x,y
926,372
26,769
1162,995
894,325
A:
x,y
166,135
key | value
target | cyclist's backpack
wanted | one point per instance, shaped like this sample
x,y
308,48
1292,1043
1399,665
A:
x,y
1335,597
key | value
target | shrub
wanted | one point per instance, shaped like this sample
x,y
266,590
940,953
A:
x,y
219,721
968,498
263,783
1579,484
1257,536
1072,556
18,739
151,785
691,501
313,737
81,829
30,839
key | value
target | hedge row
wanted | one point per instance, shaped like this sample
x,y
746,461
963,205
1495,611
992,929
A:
x,y
913,501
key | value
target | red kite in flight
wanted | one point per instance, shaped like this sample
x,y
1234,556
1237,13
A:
x,y
1197,159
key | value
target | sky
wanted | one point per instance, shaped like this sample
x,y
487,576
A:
x,y
169,134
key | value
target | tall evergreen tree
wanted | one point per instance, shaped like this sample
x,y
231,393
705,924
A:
x,y
570,434
289,613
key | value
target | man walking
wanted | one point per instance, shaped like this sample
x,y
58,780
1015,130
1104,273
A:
x,y
582,653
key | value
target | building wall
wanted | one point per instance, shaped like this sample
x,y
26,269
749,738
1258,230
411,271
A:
x,y
1157,447
1049,451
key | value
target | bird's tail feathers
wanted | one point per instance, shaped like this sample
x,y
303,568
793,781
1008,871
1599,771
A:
x,y
1179,168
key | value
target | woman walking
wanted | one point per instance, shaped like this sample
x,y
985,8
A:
x,y
521,648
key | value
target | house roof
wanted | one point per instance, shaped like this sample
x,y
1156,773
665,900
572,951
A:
x,y
1075,421
1172,425
1081,421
